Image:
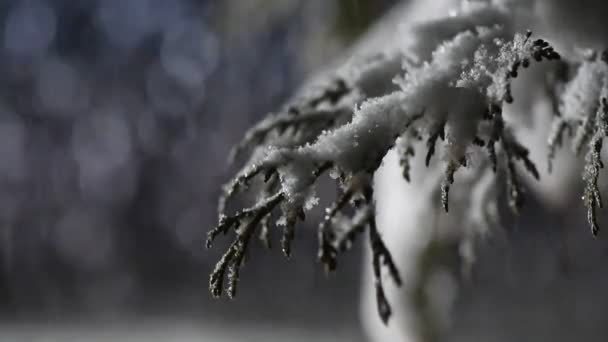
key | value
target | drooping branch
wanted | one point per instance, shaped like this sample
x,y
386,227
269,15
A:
x,y
245,223
584,110
304,117
291,150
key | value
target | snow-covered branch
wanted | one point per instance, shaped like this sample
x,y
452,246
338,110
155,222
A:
x,y
449,106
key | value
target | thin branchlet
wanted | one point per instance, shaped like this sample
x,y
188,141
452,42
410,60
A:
x,y
327,252
584,132
447,182
344,239
497,123
515,150
293,119
270,186
265,232
332,94
514,190
405,160
241,182
591,197
235,266
406,144
291,218
438,132
554,83
216,279
555,141
261,209
381,256
247,219
301,114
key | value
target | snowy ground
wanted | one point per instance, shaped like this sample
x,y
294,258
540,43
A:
x,y
164,331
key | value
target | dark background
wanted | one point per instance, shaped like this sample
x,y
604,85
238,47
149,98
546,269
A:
x,y
116,117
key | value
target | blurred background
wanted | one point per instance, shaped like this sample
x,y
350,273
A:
x,y
116,117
